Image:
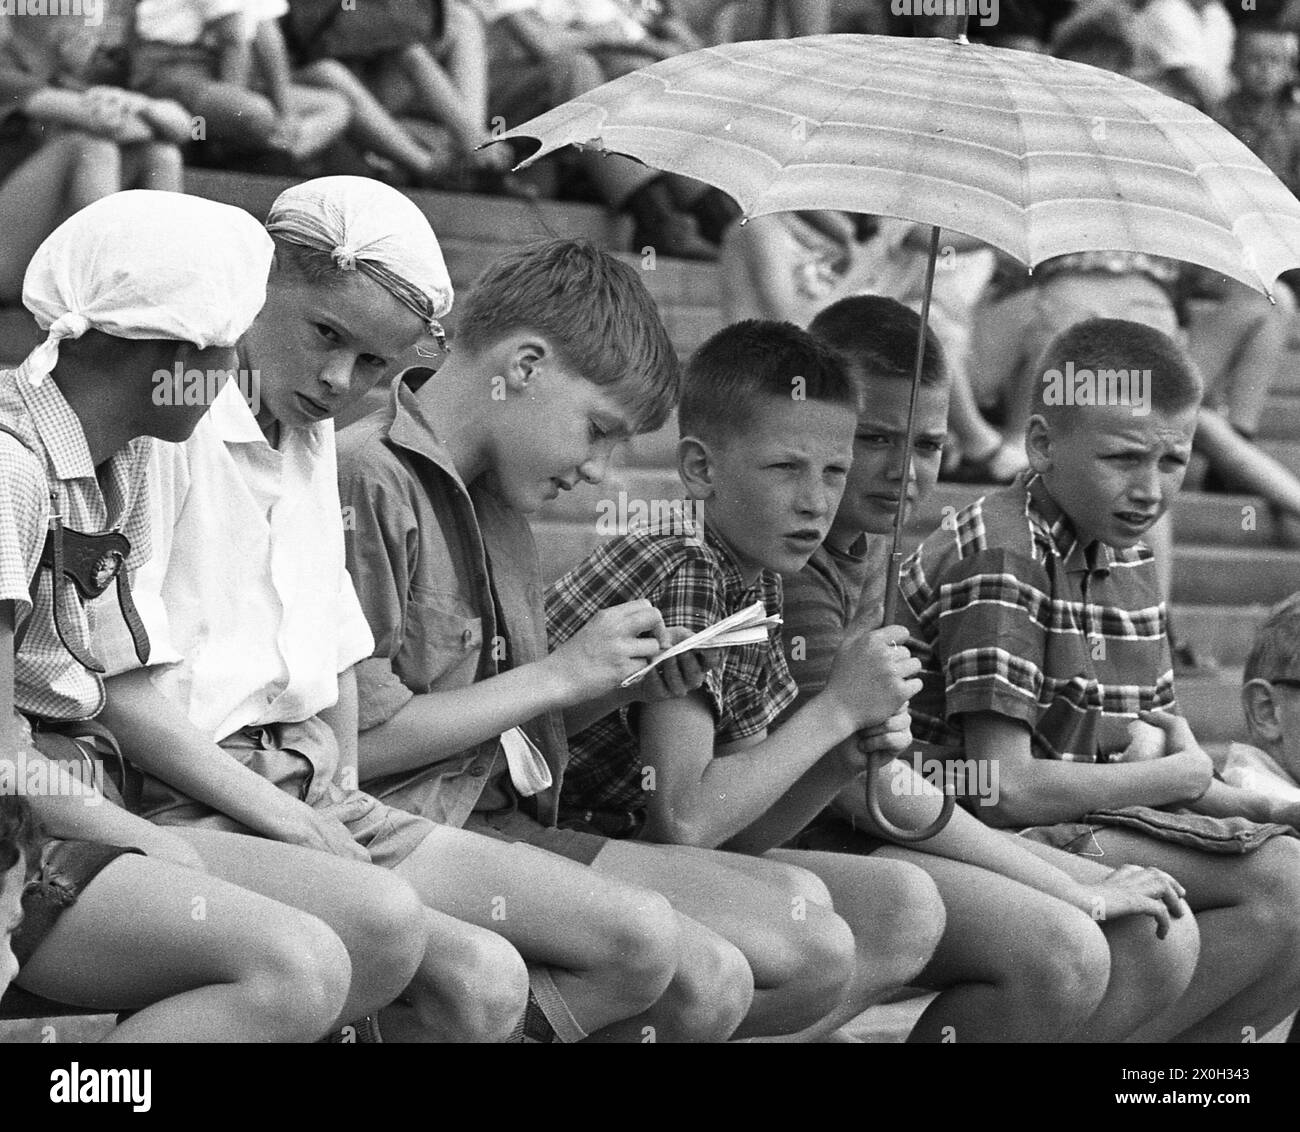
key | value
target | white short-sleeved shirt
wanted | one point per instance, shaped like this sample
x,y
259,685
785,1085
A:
x,y
249,607
183,21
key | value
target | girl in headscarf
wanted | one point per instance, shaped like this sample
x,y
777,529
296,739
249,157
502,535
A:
x,y
119,913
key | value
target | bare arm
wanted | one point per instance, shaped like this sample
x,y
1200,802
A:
x,y
1041,791
441,724
272,58
160,739
342,720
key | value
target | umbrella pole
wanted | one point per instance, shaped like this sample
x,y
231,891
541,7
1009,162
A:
x,y
875,762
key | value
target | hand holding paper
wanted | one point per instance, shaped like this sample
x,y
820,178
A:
x,y
744,627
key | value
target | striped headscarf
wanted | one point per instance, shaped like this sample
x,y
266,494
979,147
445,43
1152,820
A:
x,y
366,226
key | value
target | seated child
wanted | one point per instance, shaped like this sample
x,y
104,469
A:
x,y
1270,699
1041,630
226,62
560,355
115,290
766,418
69,133
999,972
247,719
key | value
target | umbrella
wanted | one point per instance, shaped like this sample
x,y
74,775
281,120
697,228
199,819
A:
x,y
1037,156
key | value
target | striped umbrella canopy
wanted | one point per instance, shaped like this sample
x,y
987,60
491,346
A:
x,y
1034,155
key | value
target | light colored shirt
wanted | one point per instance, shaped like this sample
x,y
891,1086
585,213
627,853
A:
x,y
249,606
1172,35
56,467
184,21
1249,768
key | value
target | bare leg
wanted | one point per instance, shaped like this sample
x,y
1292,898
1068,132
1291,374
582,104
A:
x,y
42,192
800,952
612,948
153,165
1238,343
378,917
202,959
372,125
710,995
324,117
1248,912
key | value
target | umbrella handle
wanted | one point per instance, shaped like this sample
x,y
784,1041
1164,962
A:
x,y
896,832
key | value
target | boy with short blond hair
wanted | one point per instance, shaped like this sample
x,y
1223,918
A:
x,y
1038,620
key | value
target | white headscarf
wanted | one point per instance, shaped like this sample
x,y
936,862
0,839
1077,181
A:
x,y
369,227
146,264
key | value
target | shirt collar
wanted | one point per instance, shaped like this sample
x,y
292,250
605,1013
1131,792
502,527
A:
x,y
58,427
231,418
410,427
732,579
1053,528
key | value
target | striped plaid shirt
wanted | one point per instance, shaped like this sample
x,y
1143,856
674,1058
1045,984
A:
x,y
1010,613
48,681
694,583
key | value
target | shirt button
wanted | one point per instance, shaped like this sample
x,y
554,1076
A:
x,y
478,770
466,637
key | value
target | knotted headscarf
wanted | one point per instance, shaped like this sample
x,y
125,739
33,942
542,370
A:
x,y
146,264
366,226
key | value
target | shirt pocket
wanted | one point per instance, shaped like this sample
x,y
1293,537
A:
x,y
443,638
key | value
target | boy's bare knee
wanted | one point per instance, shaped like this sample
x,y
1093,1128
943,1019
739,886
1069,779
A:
x,y
299,981
1272,892
641,943
906,939
1064,967
797,883
392,929
471,989
711,992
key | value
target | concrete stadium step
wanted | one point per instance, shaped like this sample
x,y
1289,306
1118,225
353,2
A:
x,y
1215,575
1212,705
486,219
1281,417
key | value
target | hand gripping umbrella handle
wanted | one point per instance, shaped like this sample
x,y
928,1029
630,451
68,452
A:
x,y
897,832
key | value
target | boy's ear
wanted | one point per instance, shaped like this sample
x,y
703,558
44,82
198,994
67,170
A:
x,y
1038,444
1260,710
523,360
695,467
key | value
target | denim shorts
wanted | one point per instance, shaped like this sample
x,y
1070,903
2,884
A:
x,y
66,869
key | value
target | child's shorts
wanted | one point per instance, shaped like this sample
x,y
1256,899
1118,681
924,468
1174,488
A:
x,y
302,760
66,870
513,825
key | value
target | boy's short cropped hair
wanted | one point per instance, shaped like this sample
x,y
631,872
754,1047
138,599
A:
x,y
593,308
1275,652
877,337
1105,346
17,831
755,359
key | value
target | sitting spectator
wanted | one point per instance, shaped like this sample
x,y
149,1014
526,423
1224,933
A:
x,y
1187,45
536,63
226,61
416,78
67,137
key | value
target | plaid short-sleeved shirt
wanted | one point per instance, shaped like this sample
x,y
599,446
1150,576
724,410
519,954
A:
x,y
694,582
1010,613
48,681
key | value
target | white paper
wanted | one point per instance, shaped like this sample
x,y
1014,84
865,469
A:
x,y
744,627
